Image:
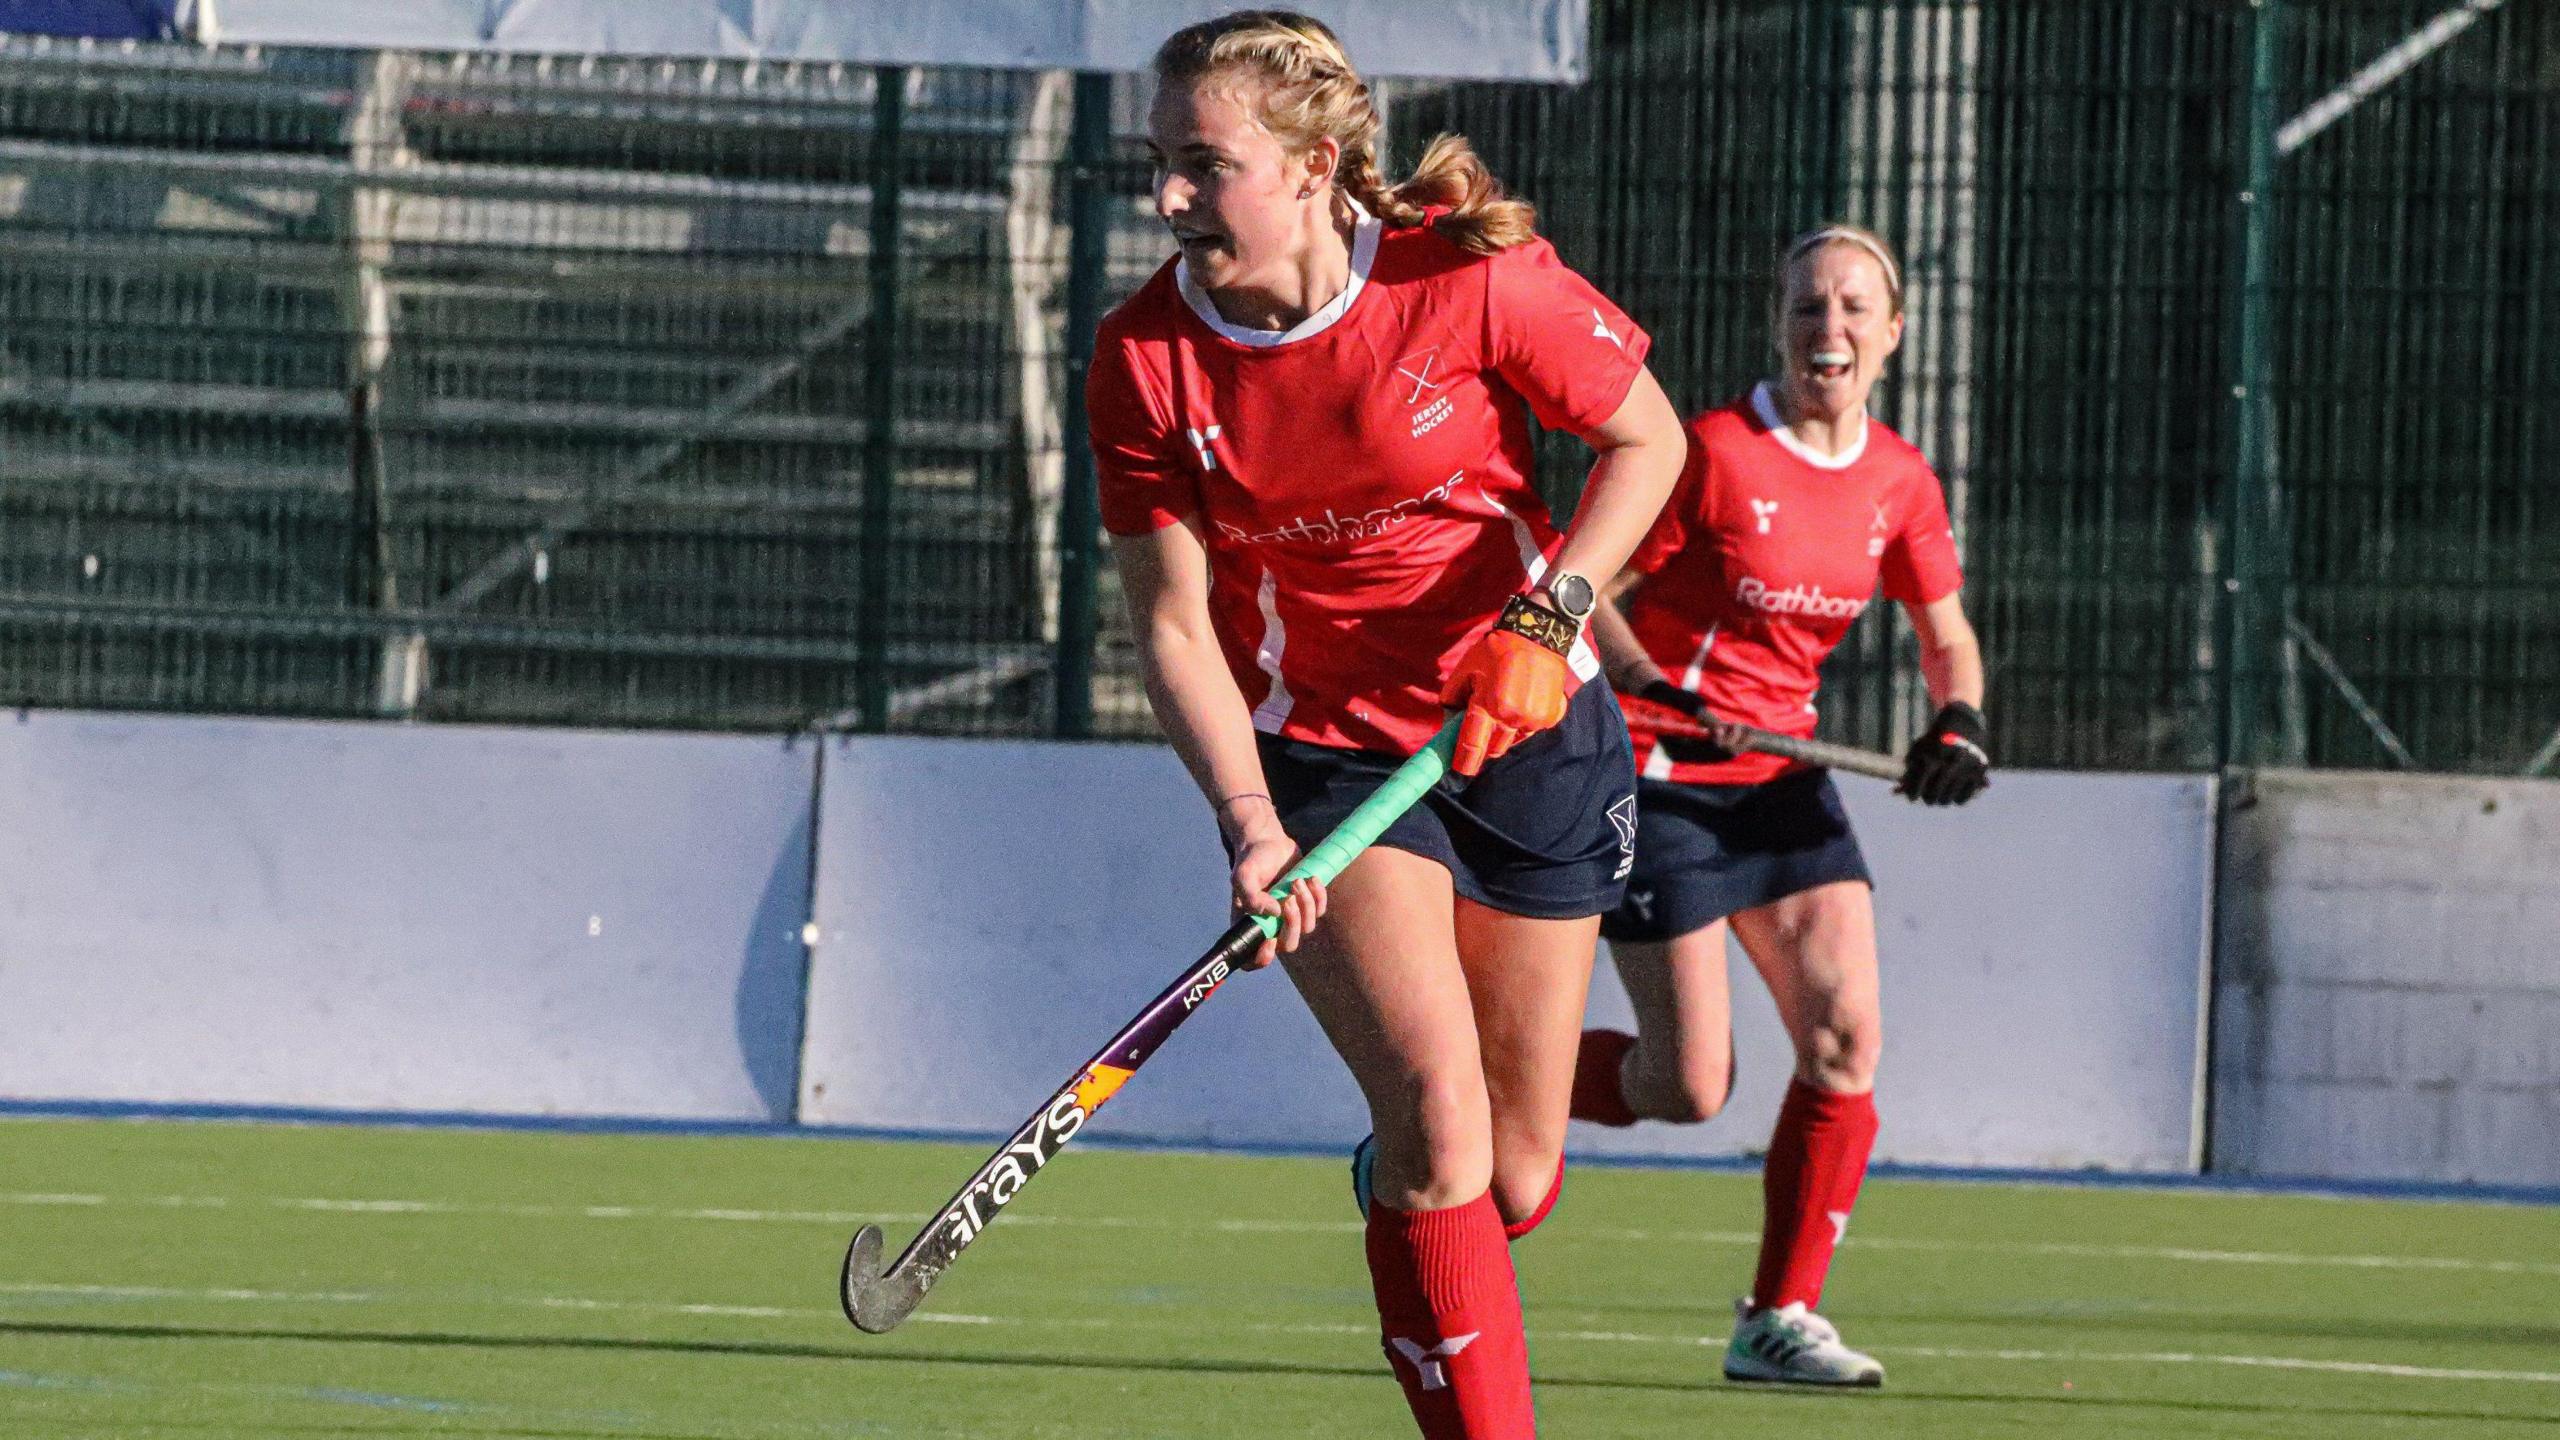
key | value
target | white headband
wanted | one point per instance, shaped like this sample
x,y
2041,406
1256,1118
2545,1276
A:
x,y
1829,233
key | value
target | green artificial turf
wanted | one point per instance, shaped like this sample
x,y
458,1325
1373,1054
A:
x,y
203,1281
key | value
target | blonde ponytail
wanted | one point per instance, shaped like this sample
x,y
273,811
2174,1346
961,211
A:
x,y
1310,92
1481,219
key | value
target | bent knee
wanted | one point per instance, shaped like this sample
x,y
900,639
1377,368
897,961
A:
x,y
1701,1093
1841,1053
1524,1187
1687,1086
1435,1145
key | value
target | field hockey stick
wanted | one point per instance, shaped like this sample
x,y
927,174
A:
x,y
1664,720
875,1300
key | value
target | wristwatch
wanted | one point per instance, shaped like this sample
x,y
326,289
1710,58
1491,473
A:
x,y
1573,595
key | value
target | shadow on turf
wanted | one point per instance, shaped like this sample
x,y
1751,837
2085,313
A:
x,y
1706,1384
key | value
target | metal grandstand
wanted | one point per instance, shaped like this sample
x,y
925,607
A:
x,y
483,386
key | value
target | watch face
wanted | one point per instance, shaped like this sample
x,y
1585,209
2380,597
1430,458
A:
x,y
1572,592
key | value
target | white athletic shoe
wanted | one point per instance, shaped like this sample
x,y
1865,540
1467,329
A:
x,y
1791,1345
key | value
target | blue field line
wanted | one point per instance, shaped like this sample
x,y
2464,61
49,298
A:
x,y
777,1130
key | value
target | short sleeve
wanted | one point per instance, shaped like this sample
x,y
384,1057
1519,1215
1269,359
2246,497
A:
x,y
1145,483
1920,564
1557,340
1686,507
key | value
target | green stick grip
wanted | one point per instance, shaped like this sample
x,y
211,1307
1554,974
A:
x,y
1412,780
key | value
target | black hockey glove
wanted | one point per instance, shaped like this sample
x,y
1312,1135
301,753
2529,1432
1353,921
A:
x,y
1951,761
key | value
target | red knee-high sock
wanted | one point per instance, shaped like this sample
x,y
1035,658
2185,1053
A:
x,y
1449,1317
1817,1158
1599,1094
1519,1229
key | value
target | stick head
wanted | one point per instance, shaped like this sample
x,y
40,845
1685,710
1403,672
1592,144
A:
x,y
875,1302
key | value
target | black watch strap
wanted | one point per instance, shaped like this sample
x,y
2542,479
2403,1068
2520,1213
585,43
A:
x,y
1524,616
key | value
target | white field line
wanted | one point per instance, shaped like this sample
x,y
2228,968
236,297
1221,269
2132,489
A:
x,y
2254,1362
1126,1322
846,1219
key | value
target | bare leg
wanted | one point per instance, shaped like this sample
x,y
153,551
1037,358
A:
x,y
1681,1066
1383,978
1817,951
1528,980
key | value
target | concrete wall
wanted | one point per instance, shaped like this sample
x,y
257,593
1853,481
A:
x,y
408,918
421,918
2389,996
989,912
2043,952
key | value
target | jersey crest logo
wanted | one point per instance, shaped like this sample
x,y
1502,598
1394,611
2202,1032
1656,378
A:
x,y
1764,511
1200,441
1417,367
1600,329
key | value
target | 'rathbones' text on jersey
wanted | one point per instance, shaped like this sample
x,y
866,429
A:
x,y
1332,528
1796,600
1014,1165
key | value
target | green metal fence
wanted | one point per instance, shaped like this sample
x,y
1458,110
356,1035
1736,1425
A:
x,y
2066,180
715,394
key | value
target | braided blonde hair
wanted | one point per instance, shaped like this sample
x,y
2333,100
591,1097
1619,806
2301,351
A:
x,y
1310,92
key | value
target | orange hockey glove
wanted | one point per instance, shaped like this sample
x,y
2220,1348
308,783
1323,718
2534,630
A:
x,y
1512,682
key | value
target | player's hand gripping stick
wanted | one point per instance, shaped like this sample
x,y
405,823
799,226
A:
x,y
1951,761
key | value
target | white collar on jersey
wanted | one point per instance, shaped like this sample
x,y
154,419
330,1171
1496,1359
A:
x,y
1365,230
1764,401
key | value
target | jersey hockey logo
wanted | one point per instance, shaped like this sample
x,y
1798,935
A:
x,y
1200,441
1421,367
1428,418
1418,367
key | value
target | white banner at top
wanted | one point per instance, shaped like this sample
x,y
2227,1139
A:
x,y
1539,40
